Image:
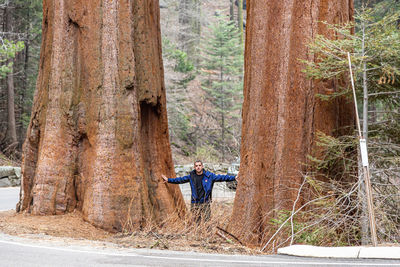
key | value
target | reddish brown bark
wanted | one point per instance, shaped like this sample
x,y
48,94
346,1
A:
x,y
280,112
98,137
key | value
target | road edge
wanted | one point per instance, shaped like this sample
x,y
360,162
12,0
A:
x,y
359,252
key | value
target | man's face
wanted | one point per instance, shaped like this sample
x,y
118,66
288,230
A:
x,y
198,166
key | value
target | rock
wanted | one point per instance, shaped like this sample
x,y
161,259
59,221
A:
x,y
14,180
4,182
163,4
6,171
17,171
10,176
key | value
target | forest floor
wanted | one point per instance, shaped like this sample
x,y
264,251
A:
x,y
5,161
185,237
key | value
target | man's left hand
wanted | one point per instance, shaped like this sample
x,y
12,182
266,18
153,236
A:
x,y
164,178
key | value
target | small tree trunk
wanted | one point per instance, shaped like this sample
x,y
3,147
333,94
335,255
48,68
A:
x,y
365,234
365,86
240,20
232,10
25,74
223,141
12,129
11,126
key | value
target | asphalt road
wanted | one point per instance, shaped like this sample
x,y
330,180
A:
x,y
21,253
43,251
9,197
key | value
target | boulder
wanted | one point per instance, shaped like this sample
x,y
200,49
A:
x,y
10,176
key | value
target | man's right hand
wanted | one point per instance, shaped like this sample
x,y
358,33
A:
x,y
164,178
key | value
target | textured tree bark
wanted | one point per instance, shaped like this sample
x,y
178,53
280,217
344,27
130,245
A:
x,y
231,10
11,126
280,112
98,136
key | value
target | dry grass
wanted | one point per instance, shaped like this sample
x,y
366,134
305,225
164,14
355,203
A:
x,y
187,235
184,235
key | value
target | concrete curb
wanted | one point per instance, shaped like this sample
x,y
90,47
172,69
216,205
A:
x,y
342,252
380,253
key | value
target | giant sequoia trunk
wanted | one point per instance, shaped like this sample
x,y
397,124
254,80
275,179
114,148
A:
x,y
280,112
98,135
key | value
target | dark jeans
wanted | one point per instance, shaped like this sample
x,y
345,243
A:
x,y
201,211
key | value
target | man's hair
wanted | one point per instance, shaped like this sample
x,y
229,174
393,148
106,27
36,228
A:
x,y
198,161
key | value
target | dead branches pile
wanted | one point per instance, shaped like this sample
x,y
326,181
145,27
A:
x,y
331,209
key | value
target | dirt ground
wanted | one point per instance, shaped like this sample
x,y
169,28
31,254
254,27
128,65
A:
x,y
4,161
185,237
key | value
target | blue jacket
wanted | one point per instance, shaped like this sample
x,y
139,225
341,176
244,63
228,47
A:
x,y
208,182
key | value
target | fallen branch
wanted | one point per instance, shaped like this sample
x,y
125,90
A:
x,y
294,208
8,149
288,219
226,232
223,236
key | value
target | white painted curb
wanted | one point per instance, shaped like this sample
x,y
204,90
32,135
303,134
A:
x,y
380,253
320,252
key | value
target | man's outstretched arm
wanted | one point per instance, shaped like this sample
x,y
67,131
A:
x,y
224,178
178,180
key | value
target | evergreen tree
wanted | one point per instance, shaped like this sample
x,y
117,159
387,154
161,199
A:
x,y
375,55
178,109
190,27
223,67
8,50
22,26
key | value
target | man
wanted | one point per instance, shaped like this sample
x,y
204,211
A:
x,y
201,184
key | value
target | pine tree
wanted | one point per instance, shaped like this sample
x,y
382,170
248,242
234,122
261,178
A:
x,y
19,59
223,67
176,61
375,54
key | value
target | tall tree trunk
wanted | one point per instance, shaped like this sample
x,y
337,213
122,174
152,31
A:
x,y
240,20
25,82
232,10
11,126
98,136
365,86
365,233
280,111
